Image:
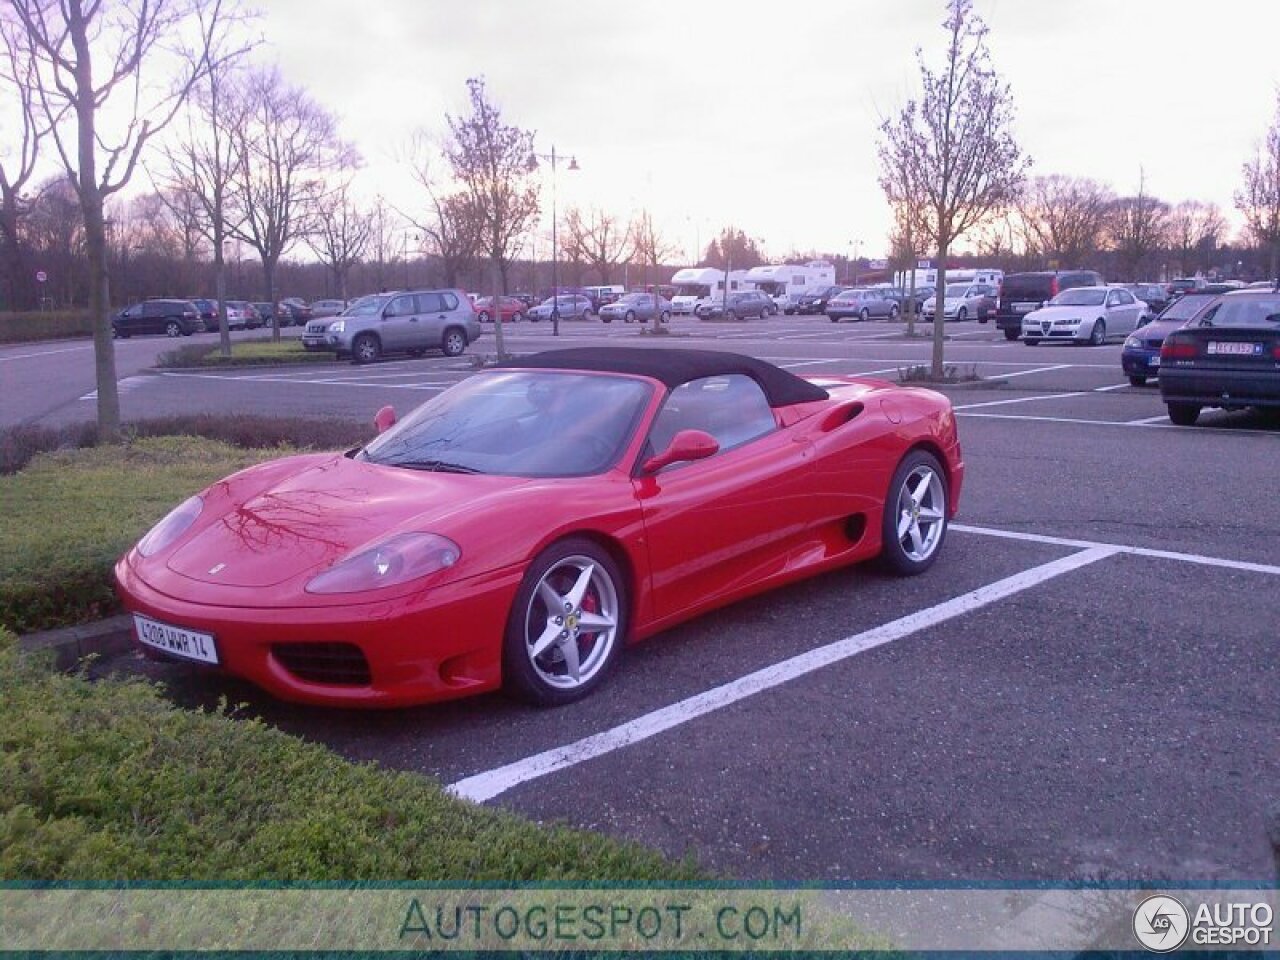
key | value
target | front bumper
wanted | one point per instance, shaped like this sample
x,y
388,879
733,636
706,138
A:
x,y
1056,331
1140,363
418,649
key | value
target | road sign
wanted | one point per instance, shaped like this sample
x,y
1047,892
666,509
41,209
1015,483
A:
x,y
41,276
877,264
924,264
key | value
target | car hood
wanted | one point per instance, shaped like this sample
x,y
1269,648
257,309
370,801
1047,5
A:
x,y
1062,313
1157,330
309,518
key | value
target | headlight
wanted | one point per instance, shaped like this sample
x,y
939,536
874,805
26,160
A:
x,y
173,526
397,559
1133,343
338,326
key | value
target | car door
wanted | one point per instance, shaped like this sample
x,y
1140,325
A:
x,y
400,328
1131,309
432,318
715,525
1116,314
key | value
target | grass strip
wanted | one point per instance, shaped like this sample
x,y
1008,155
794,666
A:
x,y
108,781
70,514
259,352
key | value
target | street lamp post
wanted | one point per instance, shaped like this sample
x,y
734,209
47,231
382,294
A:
x,y
553,158
853,261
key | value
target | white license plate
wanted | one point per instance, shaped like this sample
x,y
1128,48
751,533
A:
x,y
1154,361
175,641
1234,348
1023,307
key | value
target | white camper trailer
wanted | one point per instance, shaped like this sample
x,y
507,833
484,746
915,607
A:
x,y
698,284
786,283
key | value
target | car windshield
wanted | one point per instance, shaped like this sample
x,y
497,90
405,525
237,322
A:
x,y
633,298
1184,308
1247,312
1080,297
367,306
958,291
518,423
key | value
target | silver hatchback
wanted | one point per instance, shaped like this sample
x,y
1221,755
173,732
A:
x,y
412,322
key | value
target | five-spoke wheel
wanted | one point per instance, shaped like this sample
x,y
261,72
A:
x,y
567,624
915,514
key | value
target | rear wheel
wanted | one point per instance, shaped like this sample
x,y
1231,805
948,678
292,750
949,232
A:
x,y
173,328
1184,414
454,343
567,624
484,316
914,523
1031,341
1011,334
730,315
666,317
1137,381
893,312
365,349
517,316
864,314
630,317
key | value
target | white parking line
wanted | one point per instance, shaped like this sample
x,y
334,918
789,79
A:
x,y
46,353
998,403
1024,373
1147,424
1114,386
803,363
1163,418
333,383
1196,558
491,783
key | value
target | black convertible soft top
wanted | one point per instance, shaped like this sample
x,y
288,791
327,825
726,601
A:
x,y
674,367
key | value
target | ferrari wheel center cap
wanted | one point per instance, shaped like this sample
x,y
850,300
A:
x,y
571,621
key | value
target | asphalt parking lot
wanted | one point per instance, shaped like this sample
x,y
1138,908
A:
x,y
1085,685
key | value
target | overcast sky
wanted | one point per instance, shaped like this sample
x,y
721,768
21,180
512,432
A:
x,y
765,115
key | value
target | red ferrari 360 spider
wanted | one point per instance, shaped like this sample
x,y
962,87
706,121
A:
x,y
525,524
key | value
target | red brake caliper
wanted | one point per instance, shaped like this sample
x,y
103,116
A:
x,y
590,604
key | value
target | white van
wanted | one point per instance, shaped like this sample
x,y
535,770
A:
x,y
786,283
607,293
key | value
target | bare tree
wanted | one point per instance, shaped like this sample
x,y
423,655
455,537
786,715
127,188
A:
x,y
1063,220
450,223
1258,198
492,161
954,147
1194,230
598,239
55,226
1137,227
342,235
289,148
135,40
649,248
21,130
199,174
385,229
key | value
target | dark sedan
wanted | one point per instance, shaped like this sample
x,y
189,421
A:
x,y
1154,295
816,302
1141,355
1228,356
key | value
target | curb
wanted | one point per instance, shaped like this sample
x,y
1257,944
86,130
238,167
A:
x,y
69,645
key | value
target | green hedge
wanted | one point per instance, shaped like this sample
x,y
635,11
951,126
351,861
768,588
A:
x,y
70,514
257,352
108,781
25,327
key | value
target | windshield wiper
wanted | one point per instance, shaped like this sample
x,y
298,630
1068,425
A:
x,y
438,466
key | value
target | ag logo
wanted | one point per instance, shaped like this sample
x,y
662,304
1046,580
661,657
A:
x,y
1161,923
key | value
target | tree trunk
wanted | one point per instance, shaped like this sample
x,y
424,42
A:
x,y
1274,273
269,276
939,319
495,313
220,292
911,304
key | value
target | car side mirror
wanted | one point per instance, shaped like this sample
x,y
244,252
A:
x,y
687,445
385,419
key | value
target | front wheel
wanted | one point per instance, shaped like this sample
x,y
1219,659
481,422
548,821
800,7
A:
x,y
173,328
864,314
1031,341
962,315
1010,334
567,624
1184,414
665,317
915,515
366,349
1098,336
484,316
630,317
893,312
517,316
454,343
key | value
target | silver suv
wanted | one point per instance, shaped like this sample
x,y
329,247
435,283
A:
x,y
411,322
